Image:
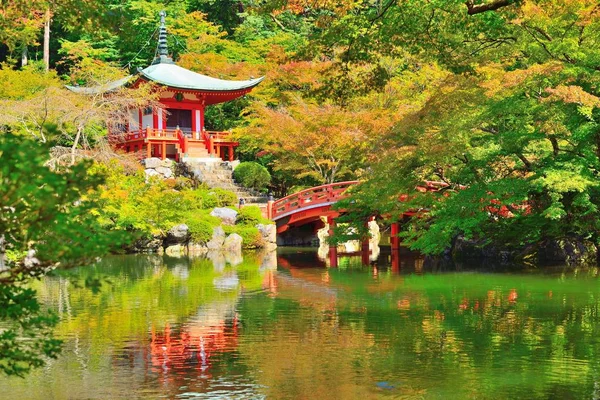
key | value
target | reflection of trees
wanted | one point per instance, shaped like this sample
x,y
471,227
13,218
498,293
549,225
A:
x,y
158,316
495,334
327,333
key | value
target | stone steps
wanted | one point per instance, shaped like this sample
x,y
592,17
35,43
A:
x,y
219,174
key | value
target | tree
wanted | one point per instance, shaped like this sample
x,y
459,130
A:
x,y
319,143
36,105
46,222
516,131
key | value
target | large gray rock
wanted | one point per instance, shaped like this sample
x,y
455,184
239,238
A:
x,y
164,171
197,173
268,235
150,244
233,243
152,162
166,163
268,232
179,234
571,250
151,172
217,240
227,215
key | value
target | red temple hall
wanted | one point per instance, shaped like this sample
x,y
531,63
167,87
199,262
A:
x,y
176,129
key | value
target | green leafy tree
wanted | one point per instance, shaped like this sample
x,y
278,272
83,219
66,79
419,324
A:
x,y
46,222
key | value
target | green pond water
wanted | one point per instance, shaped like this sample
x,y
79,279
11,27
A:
x,y
285,326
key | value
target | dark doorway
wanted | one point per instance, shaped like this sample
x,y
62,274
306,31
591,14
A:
x,y
179,118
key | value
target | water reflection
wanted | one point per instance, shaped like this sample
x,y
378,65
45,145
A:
x,y
288,325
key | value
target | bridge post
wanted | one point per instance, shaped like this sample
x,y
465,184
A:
x,y
270,203
333,257
394,239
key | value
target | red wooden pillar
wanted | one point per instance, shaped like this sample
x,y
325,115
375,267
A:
x,y
194,122
394,239
202,117
270,208
210,144
155,120
149,150
163,151
140,119
231,153
333,257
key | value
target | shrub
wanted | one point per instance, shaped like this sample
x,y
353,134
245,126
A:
x,y
200,224
251,237
251,215
224,198
201,230
253,175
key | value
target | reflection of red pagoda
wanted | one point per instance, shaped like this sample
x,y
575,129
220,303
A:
x,y
176,129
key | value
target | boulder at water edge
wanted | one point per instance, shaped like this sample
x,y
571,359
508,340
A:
x,y
233,243
178,234
218,238
268,235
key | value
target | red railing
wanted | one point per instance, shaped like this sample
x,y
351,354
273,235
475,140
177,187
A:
x,y
150,133
182,141
329,194
219,136
310,198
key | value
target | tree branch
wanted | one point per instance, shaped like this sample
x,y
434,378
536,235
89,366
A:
x,y
473,9
525,161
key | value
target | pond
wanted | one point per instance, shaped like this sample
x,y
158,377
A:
x,y
285,326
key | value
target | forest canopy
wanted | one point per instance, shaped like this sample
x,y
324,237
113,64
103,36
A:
x,y
497,99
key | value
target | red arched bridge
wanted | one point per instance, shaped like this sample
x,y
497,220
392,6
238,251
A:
x,y
310,205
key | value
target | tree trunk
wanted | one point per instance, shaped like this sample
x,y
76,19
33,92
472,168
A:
x,y
2,253
24,59
75,143
47,39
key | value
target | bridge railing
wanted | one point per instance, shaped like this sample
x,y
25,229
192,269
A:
x,y
315,196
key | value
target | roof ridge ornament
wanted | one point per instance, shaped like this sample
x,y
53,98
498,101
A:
x,y
163,50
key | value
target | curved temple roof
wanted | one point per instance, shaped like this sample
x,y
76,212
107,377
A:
x,y
165,72
177,77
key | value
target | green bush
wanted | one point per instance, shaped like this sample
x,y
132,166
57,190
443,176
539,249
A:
x,y
253,175
224,198
201,230
143,209
251,237
251,215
